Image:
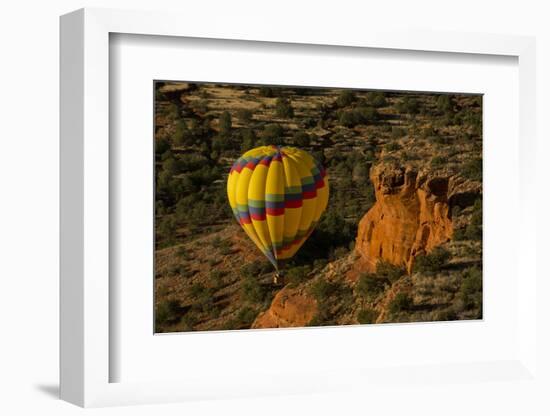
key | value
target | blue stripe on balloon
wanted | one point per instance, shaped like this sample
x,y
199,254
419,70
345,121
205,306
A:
x,y
309,187
293,197
256,211
244,215
273,205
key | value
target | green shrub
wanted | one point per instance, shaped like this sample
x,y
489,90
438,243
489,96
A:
x,y
302,139
216,277
473,169
325,314
392,146
471,288
376,99
474,230
167,312
307,122
438,139
224,246
459,234
255,269
332,231
366,114
398,132
252,291
359,115
322,289
438,161
162,145
166,230
340,252
444,103
182,135
189,162
389,271
246,316
273,134
203,300
401,303
455,212
367,316
196,290
183,271
187,321
433,261
225,123
332,298
265,91
170,166
214,262
283,108
217,242
297,275
244,115
370,286
172,111
447,314
408,105
201,106
406,156
320,263
244,319
360,173
345,98
185,253
428,132
347,119
248,137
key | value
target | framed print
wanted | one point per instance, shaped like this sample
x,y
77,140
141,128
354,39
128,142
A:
x,y
280,214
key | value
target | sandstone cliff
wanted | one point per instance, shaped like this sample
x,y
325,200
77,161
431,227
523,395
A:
x,y
412,214
291,307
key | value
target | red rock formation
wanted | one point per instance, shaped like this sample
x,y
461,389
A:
x,y
411,216
290,308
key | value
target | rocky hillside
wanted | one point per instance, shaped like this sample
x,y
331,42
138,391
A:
x,y
400,240
406,266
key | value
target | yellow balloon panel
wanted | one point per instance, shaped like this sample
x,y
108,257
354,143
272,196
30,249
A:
x,y
277,195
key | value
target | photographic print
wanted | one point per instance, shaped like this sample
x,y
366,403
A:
x,y
282,206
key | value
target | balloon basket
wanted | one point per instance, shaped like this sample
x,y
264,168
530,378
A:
x,y
278,279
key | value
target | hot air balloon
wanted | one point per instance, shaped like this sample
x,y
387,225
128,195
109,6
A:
x,y
277,195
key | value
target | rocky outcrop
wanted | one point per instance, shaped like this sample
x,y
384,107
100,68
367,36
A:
x,y
290,308
412,214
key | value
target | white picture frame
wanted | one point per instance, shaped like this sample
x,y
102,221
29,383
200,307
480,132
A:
x,y
85,221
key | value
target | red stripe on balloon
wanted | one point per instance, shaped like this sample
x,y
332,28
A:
x,y
258,217
275,211
293,204
309,194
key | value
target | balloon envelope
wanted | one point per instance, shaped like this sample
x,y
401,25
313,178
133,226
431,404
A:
x,y
277,195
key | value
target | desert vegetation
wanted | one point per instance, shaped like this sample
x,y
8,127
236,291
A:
x,y
209,276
